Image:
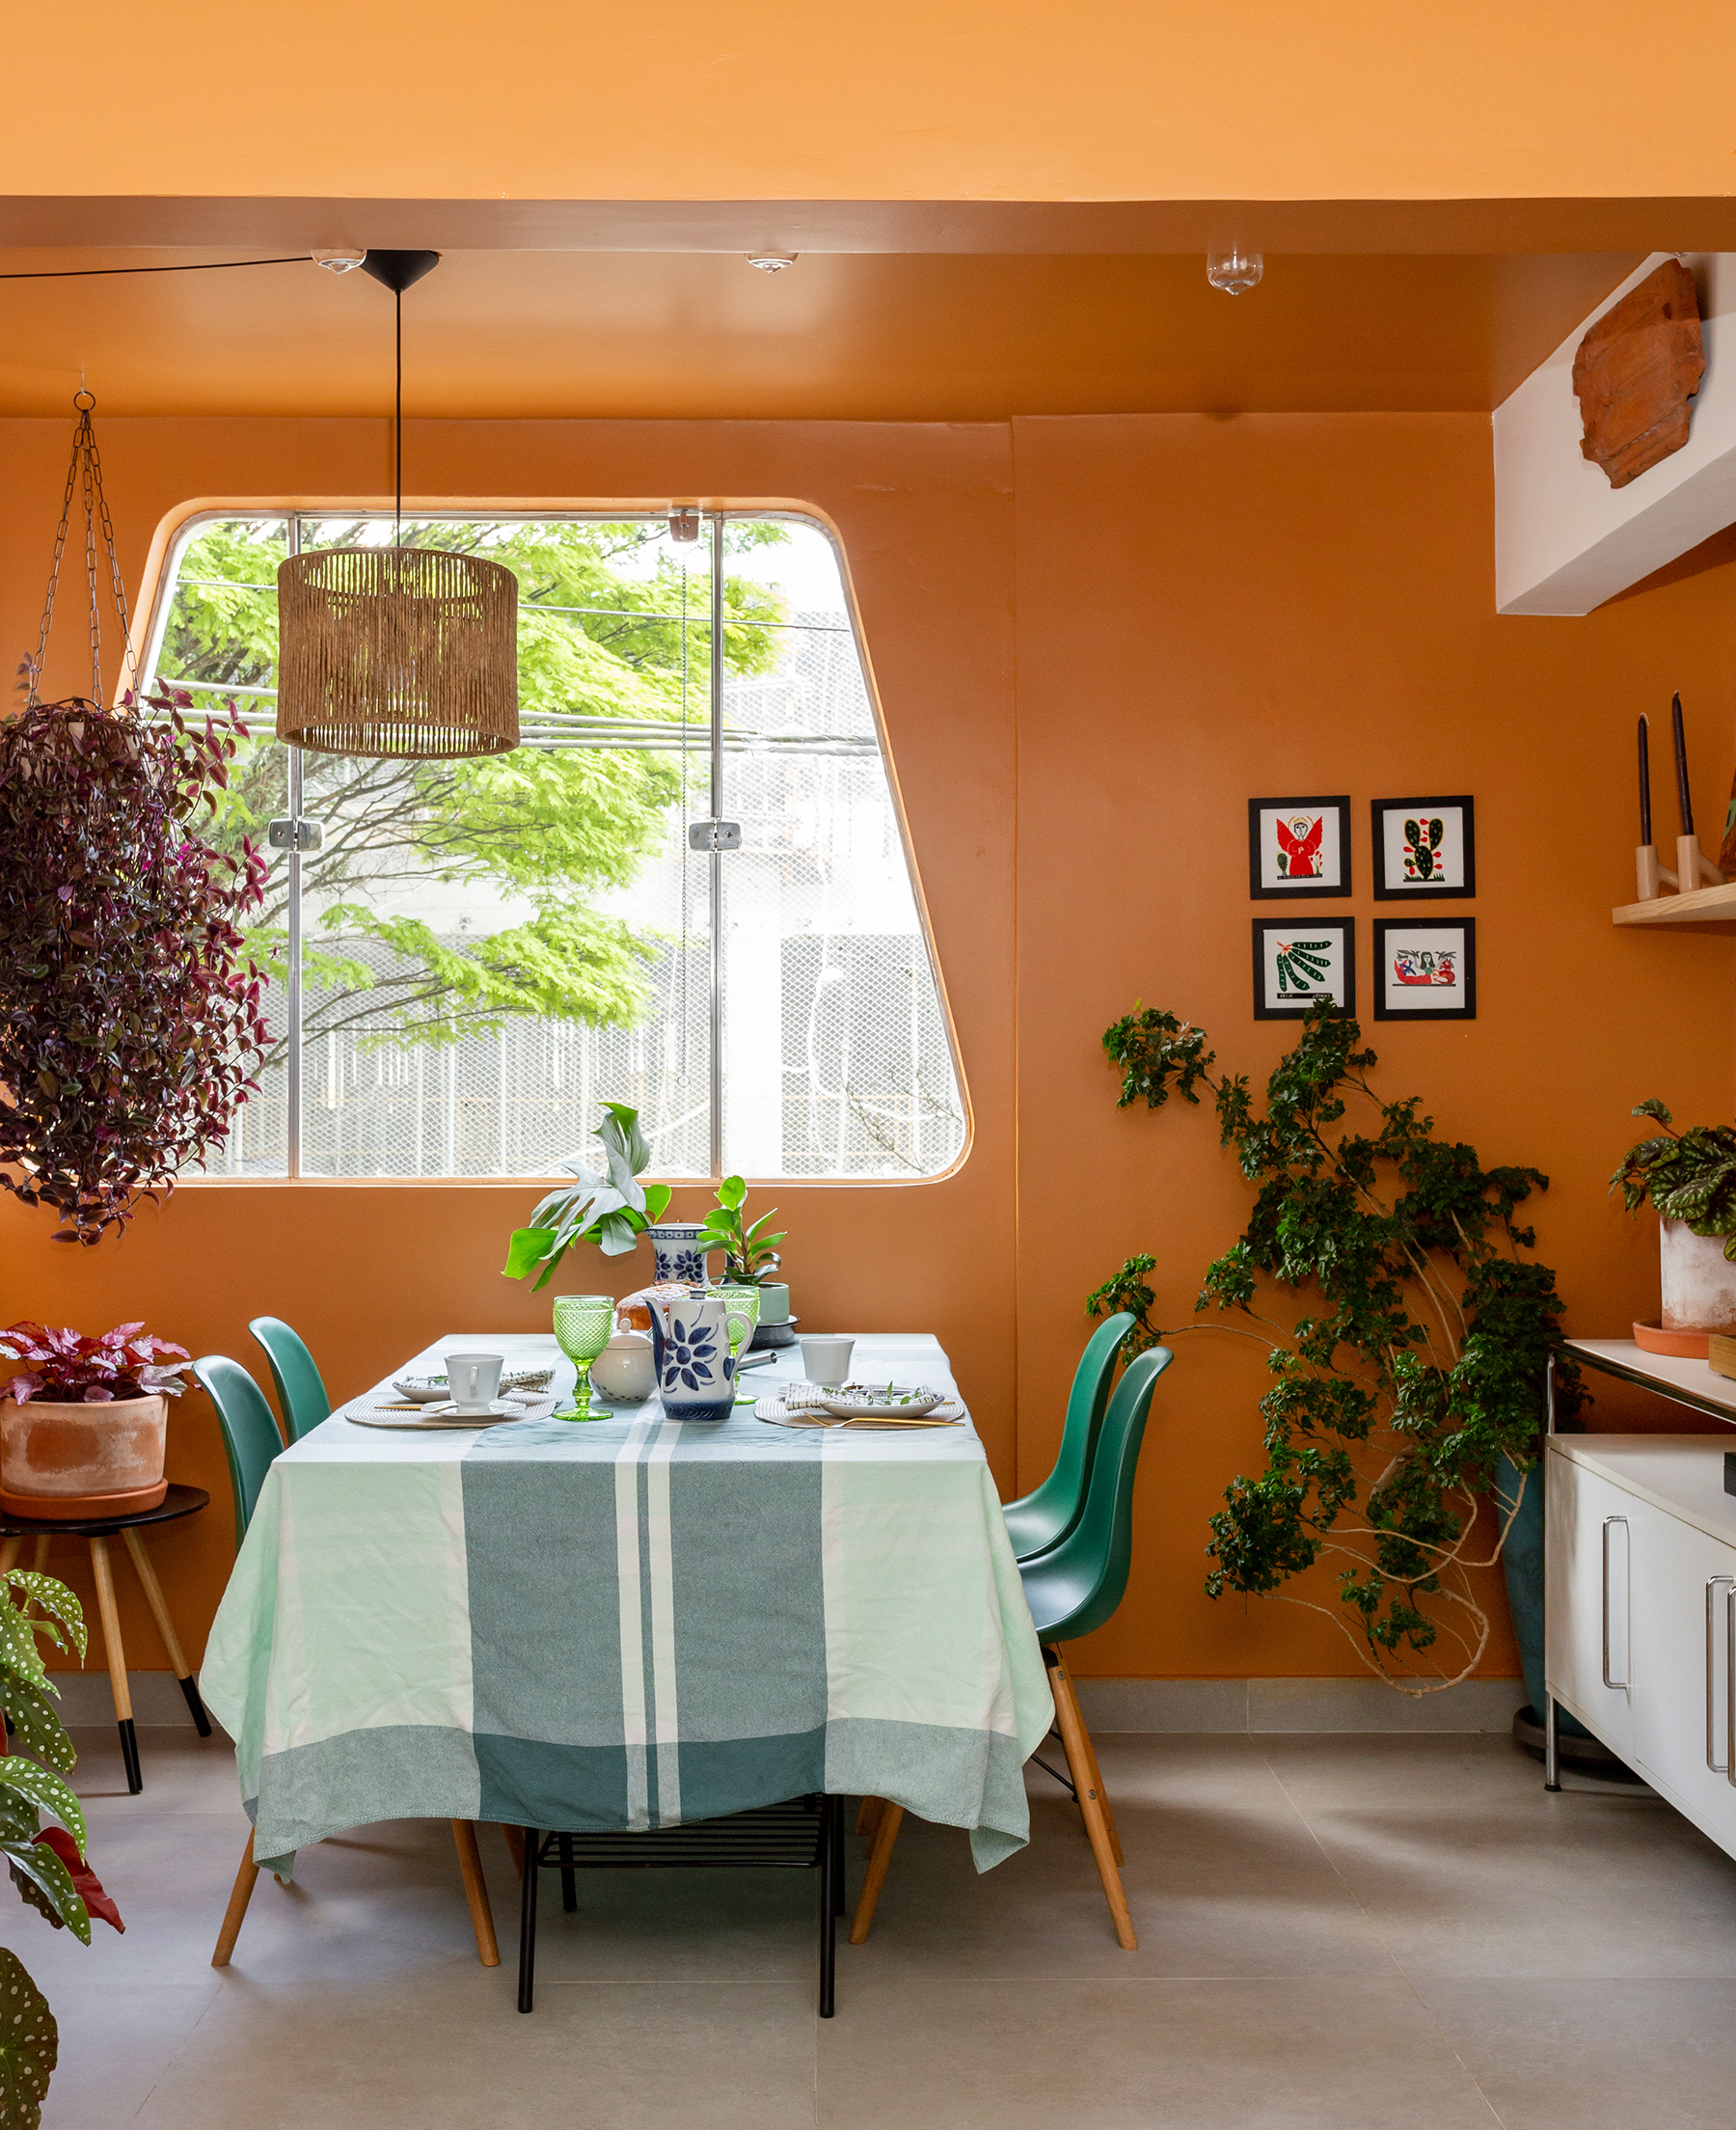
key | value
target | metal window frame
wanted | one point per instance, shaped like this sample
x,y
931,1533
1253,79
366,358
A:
x,y
180,529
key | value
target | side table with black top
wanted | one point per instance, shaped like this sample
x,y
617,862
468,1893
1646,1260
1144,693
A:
x,y
180,1501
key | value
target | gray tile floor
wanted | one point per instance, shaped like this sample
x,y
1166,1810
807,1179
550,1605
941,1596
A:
x,y
1335,1933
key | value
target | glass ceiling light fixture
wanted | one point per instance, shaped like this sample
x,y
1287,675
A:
x,y
771,262
1233,270
397,653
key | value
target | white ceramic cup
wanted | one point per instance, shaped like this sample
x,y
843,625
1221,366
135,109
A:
x,y
473,1379
827,1359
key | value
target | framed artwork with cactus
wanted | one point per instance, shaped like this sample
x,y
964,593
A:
x,y
1298,847
1300,961
1425,847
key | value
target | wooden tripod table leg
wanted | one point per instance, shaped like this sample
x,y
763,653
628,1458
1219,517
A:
x,y
868,1816
240,1893
879,1856
1096,1775
159,1612
475,1892
1077,1742
110,1614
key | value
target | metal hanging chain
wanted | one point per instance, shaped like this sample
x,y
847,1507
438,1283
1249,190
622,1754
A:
x,y
84,474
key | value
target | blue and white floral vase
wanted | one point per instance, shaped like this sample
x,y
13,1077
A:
x,y
679,1258
690,1340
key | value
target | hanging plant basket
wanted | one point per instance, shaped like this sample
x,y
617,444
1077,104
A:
x,y
129,1018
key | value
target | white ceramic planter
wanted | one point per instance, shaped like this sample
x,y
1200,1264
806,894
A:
x,y
1699,1282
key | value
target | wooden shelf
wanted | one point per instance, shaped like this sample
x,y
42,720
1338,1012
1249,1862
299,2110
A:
x,y
1706,909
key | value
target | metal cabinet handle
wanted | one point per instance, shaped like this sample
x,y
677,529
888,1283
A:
x,y
1713,1584
1618,1683
1730,1686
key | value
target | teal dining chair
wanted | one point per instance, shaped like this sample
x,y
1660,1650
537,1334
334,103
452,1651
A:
x,y
301,1394
1071,1590
251,1442
1044,1517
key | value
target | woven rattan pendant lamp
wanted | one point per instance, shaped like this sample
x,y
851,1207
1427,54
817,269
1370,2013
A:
x,y
401,653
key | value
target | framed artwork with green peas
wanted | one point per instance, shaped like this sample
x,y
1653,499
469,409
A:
x,y
1300,960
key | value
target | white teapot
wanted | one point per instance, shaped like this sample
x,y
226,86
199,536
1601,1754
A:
x,y
689,1335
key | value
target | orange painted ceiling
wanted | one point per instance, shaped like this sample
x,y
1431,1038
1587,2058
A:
x,y
920,336
952,100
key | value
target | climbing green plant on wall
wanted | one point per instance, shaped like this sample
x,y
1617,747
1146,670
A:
x,y
1418,1357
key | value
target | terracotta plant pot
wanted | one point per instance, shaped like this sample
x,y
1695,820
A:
x,y
82,1460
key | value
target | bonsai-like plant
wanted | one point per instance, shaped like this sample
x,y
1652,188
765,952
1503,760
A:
x,y
128,1027
1687,1175
749,1257
606,1205
67,1368
47,1865
1417,1364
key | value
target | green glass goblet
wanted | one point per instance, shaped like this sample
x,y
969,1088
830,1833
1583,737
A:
x,y
746,1300
584,1324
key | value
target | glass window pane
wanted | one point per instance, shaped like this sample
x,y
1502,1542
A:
x,y
492,948
217,639
835,1050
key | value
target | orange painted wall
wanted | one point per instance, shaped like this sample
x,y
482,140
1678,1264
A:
x,y
971,99
1094,640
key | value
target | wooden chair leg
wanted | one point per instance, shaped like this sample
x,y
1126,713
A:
x,y
239,1896
159,1612
1096,1775
868,1814
879,1856
110,1614
1077,1742
515,1847
475,1892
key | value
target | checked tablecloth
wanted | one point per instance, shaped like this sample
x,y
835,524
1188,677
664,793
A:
x,y
628,1624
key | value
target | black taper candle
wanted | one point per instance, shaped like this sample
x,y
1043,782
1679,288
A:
x,y
1681,756
1645,779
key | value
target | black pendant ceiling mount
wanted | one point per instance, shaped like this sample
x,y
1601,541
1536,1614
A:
x,y
399,270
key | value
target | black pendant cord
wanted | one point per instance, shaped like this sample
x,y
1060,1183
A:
x,y
202,266
398,429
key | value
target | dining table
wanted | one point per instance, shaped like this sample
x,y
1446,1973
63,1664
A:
x,y
629,1622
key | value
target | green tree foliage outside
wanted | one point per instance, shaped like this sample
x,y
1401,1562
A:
x,y
542,830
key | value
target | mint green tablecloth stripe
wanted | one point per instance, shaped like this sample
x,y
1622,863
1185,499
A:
x,y
627,1625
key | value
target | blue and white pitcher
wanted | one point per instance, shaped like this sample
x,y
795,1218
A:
x,y
690,1339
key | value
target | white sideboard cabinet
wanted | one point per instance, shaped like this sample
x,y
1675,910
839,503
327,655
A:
x,y
1641,1599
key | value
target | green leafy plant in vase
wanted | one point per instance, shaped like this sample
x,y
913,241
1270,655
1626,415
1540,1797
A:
x,y
607,1206
1690,1177
1406,1398
749,1255
47,1865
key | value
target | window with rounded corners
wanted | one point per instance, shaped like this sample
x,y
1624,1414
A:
x,y
481,953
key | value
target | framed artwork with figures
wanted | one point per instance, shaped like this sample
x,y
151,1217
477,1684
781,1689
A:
x,y
1299,960
1425,849
1426,969
1298,847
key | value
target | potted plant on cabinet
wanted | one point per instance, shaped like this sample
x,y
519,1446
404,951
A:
x,y
46,1865
1690,1177
84,1421
1405,1407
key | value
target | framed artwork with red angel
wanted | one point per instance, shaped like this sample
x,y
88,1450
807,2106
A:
x,y
1298,847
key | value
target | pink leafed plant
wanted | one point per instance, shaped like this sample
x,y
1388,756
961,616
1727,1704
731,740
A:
x,y
67,1368
130,1019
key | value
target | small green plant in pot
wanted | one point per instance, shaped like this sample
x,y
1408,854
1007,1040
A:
x,y
1690,1177
47,1865
607,1206
749,1255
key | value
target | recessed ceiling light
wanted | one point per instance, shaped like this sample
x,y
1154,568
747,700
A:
x,y
339,263
771,262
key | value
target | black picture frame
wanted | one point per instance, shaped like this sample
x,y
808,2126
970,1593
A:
x,y
1336,890
1385,890
1466,1008
1265,1011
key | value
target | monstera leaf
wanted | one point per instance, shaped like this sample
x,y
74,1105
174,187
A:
x,y
29,2045
606,1205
